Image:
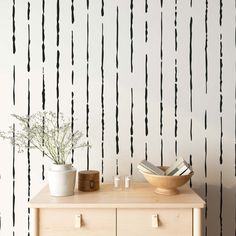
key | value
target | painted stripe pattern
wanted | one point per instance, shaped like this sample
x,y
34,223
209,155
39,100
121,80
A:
x,y
102,102
161,84
221,82
146,81
131,35
13,133
58,60
176,79
14,27
43,74
117,89
28,112
87,83
131,130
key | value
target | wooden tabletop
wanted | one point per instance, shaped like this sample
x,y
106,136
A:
x,y
141,195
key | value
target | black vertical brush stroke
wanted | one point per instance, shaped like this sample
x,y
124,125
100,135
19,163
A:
x,y
175,23
57,86
131,130
58,22
221,81
191,3
72,48
146,31
206,144
13,177
206,47
102,8
191,164
58,60
176,78
176,147
72,12
221,72
117,166
28,18
190,64
13,27
221,11
176,88
43,108
117,113
131,34
161,85
205,120
191,130
221,141
72,123
72,94
132,124
14,86
28,11
43,91
43,80
146,95
87,79
161,78
87,155
161,151
117,37
28,157
146,151
28,114
176,107
102,101
87,87
117,81
221,204
205,161
13,206
87,4
191,75
28,63
43,30
146,6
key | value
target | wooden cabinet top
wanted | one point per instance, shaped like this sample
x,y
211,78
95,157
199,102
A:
x,y
141,195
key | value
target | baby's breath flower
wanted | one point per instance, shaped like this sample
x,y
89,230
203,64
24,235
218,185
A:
x,y
41,131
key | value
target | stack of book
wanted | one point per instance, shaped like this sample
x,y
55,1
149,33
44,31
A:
x,y
179,167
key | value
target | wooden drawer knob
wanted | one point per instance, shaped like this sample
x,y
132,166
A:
x,y
155,221
78,220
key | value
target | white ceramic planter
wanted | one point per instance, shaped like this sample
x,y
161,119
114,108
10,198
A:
x,y
61,180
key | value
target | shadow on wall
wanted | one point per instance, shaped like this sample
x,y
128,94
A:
x,y
219,214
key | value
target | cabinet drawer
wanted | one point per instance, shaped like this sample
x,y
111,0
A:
x,y
162,222
61,222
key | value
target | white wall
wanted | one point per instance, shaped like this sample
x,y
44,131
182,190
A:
x,y
199,52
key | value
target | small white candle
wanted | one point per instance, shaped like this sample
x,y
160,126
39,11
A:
x,y
116,181
127,181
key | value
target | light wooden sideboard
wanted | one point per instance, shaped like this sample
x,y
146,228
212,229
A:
x,y
108,212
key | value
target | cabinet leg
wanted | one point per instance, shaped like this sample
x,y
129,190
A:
x,y
35,226
197,223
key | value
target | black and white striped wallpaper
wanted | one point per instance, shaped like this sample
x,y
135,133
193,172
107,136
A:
x,y
148,79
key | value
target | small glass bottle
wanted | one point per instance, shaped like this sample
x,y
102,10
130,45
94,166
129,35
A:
x,y
128,182
117,182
